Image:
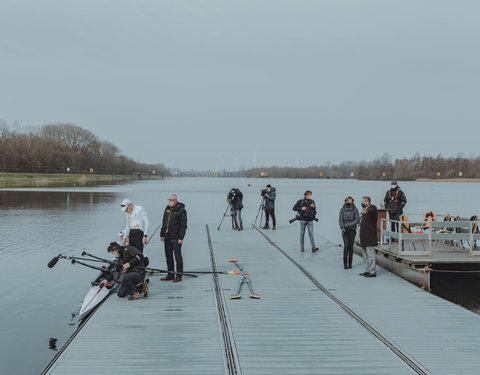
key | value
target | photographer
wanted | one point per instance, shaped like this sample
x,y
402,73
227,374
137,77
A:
x,y
306,212
269,194
235,198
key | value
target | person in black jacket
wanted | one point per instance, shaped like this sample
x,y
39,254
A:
x,y
133,277
173,231
270,196
348,220
306,212
235,198
395,200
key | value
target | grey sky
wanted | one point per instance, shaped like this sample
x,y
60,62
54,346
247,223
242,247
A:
x,y
196,84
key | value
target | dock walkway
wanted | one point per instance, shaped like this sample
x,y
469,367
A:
x,y
313,317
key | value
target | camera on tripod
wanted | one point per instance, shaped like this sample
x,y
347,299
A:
x,y
231,195
298,218
264,192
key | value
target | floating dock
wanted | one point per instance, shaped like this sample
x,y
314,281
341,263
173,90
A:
x,y
313,317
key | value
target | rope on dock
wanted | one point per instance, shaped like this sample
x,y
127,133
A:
x,y
232,362
411,362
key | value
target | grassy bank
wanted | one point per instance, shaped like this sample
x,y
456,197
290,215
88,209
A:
x,y
449,179
60,179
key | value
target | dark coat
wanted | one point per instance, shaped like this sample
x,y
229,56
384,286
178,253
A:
x,y
368,227
235,197
310,213
348,217
175,220
395,200
130,254
270,200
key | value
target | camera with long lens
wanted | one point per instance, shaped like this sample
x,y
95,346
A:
x,y
264,192
298,218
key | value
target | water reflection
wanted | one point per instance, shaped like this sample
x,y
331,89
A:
x,y
51,199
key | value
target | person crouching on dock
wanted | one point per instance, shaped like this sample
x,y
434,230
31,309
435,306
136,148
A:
x,y
133,277
348,220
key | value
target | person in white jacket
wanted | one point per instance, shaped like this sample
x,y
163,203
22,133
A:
x,y
136,229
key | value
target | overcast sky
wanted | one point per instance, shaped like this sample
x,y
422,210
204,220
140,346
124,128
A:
x,y
205,84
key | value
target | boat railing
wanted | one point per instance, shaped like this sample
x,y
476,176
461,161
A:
x,y
420,237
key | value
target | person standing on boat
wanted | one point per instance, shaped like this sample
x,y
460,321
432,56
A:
x,y
173,231
306,214
133,274
348,220
395,200
368,236
270,196
137,226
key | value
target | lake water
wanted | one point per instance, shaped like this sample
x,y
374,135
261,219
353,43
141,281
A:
x,y
37,302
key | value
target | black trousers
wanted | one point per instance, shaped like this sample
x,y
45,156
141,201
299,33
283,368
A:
x,y
270,212
173,250
394,226
135,237
131,282
348,239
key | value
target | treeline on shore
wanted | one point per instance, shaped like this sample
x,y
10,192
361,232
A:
x,y
383,168
61,148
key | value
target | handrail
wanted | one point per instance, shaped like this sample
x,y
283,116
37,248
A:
x,y
431,231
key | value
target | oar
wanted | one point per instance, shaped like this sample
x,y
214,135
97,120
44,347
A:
x,y
84,253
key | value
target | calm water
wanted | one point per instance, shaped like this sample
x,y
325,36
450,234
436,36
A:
x,y
37,303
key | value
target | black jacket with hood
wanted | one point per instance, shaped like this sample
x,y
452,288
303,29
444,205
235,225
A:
x,y
395,200
270,200
174,224
235,197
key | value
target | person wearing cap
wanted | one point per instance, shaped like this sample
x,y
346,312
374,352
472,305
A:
x,y
133,274
395,200
174,227
136,229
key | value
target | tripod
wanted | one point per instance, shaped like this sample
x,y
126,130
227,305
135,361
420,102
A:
x,y
261,211
229,206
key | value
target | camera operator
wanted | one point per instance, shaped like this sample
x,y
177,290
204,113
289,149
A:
x,y
235,198
307,211
269,194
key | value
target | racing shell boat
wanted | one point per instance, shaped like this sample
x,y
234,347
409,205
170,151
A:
x,y
98,293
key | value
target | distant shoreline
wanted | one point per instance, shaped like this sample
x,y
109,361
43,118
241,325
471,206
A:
x,y
448,179
8,180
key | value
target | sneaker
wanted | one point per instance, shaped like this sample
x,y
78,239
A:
x,y
363,274
145,288
371,275
177,279
133,296
302,249
166,278
314,249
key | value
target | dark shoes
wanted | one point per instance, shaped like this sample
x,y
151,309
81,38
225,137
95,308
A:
x,y
133,296
349,267
266,227
363,274
274,228
166,278
239,229
314,249
177,279
366,274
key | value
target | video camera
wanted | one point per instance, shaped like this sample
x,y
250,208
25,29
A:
x,y
298,218
264,192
